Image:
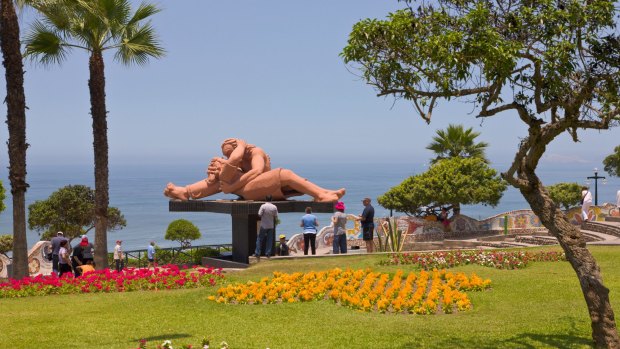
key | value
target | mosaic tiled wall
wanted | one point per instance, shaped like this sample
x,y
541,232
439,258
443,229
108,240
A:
x,y
428,229
37,264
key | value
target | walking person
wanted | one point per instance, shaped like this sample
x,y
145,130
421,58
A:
x,y
310,225
64,262
586,202
150,254
268,214
618,199
367,219
56,240
119,256
339,220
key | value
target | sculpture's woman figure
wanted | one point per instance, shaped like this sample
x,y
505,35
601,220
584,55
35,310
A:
x,y
246,171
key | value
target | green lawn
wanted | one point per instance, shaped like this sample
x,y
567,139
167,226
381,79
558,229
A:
x,y
537,307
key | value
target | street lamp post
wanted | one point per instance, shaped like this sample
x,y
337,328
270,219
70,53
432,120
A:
x,y
596,177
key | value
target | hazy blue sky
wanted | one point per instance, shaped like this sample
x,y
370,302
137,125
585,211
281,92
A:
x,y
265,71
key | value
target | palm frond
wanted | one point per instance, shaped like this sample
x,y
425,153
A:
x,y
98,25
140,46
44,45
144,11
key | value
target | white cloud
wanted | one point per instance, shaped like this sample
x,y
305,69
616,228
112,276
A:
x,y
564,159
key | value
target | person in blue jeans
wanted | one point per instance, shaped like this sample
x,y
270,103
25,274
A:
x,y
339,220
268,214
310,225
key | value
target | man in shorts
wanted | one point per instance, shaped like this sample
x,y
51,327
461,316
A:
x,y
367,218
150,254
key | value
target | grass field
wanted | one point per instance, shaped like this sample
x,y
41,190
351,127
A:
x,y
540,306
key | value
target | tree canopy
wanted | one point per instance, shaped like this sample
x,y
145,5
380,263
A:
x,y
612,162
566,195
456,141
453,181
554,65
70,209
183,231
2,197
6,244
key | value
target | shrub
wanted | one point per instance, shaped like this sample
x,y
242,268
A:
x,y
204,252
183,231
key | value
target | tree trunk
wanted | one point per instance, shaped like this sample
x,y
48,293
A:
x,y
96,85
16,120
571,239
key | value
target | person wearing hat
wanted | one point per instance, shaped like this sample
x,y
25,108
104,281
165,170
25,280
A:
x,y
77,258
310,225
118,256
56,240
87,250
339,220
367,218
282,249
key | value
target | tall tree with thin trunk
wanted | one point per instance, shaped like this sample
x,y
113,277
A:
x,y
95,26
16,121
553,65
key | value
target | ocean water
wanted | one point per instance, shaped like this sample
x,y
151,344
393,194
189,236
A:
x,y
137,192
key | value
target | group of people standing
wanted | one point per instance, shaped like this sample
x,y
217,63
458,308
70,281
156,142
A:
x,y
268,214
65,260
80,259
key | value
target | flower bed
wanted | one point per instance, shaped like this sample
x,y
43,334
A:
x,y
130,279
494,259
422,293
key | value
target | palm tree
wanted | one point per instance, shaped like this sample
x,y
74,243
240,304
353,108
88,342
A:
x,y
16,121
455,141
95,26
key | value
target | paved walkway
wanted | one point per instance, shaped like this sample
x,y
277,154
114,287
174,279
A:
x,y
605,239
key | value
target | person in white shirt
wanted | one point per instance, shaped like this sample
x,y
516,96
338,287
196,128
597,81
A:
x,y
268,214
118,256
618,199
586,202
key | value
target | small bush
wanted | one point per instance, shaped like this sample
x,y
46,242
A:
x,y
183,231
204,252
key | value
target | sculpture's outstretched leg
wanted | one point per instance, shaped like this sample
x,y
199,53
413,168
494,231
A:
x,y
197,190
290,179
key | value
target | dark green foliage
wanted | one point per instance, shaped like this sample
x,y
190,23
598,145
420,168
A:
x,y
6,244
70,209
204,252
566,195
465,181
183,231
612,162
2,197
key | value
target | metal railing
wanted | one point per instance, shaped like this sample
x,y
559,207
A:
x,y
170,255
